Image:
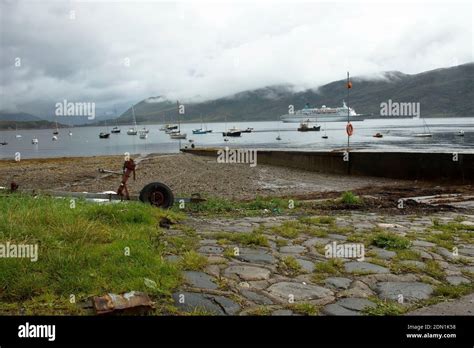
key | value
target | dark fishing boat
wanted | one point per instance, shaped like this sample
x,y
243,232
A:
x,y
304,127
232,133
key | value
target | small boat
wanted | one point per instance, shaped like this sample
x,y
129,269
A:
x,y
325,136
18,136
247,130
143,134
144,130
34,141
70,133
304,127
168,127
116,129
426,134
232,133
106,134
378,135
178,135
132,131
56,131
278,138
3,143
55,138
199,131
460,133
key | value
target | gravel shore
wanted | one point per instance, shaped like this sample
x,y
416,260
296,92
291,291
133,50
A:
x,y
184,173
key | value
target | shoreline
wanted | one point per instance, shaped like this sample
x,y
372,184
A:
x,y
186,174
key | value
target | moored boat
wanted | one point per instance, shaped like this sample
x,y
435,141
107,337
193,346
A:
x,y
304,127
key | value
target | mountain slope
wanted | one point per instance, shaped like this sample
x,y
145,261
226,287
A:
x,y
442,92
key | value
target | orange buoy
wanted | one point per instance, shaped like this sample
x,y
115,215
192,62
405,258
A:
x,y
349,129
349,84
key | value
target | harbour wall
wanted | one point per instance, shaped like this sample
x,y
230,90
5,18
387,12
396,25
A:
x,y
451,167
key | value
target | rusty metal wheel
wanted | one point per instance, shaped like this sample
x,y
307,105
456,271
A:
x,y
157,194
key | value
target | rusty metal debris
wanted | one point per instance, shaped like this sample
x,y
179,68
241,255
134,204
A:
x,y
134,301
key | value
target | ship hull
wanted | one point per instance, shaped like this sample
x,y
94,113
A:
x,y
320,118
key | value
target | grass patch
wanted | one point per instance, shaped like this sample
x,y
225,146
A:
x,y
453,291
261,311
389,241
332,266
87,250
192,261
219,206
289,229
434,270
350,199
280,242
289,266
407,254
385,307
304,308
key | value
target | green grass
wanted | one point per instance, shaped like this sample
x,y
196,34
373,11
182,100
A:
x,y
192,261
350,199
453,291
82,251
390,241
304,308
290,266
289,229
220,206
385,307
407,254
332,266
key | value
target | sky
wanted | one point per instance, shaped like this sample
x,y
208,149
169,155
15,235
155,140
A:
x,y
118,53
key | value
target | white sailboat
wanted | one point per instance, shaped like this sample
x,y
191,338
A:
x,y
325,135
178,134
425,134
279,136
18,136
56,131
133,130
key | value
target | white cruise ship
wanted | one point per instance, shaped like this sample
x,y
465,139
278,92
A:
x,y
322,114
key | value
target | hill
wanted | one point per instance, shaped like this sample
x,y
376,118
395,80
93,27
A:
x,y
445,92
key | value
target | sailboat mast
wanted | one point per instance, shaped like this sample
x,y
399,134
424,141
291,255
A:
x,y
134,119
179,123
348,109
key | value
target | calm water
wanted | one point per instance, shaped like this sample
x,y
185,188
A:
x,y
397,136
